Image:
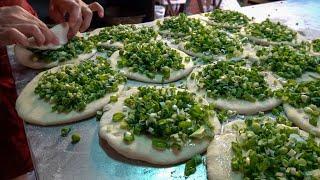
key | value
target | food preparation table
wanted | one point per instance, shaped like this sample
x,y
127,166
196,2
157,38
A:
x,y
54,157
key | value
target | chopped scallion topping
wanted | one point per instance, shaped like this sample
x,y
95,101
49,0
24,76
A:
x,y
75,138
125,34
288,62
212,42
232,80
316,45
268,150
271,31
73,87
150,59
232,18
71,50
170,117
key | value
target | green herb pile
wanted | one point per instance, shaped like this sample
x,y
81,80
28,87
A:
x,y
72,49
271,31
125,34
211,41
180,24
108,50
288,62
232,80
267,150
170,117
222,114
151,58
316,45
232,18
73,87
303,95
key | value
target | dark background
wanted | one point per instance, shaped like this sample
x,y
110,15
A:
x,y
116,11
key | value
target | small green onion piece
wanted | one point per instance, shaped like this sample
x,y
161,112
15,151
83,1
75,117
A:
x,y
200,133
113,99
159,144
313,121
117,117
128,137
75,138
185,124
99,115
124,125
191,165
65,131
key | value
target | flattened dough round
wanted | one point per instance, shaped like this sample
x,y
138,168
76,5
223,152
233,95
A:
x,y
301,119
181,47
174,75
37,111
266,42
219,156
219,153
24,57
240,106
60,31
141,148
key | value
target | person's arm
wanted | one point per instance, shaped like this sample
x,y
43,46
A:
x,y
77,13
17,25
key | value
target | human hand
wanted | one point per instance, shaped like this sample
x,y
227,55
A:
x,y
78,14
17,25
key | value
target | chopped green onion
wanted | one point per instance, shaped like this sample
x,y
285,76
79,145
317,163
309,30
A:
x,y
113,99
71,88
212,42
268,149
233,80
159,144
316,45
150,58
65,131
231,18
75,138
128,137
271,31
117,117
191,165
179,26
286,61
169,117
125,34
76,46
